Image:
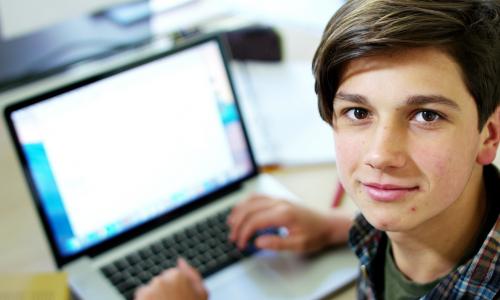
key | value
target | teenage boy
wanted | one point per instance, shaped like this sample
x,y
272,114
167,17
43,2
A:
x,y
412,91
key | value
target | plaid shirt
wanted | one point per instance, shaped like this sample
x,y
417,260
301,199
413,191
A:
x,y
478,278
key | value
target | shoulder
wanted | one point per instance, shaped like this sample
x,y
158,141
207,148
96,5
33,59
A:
x,y
479,278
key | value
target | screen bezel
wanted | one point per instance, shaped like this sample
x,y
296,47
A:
x,y
162,219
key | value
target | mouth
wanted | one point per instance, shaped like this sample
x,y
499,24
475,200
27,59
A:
x,y
388,192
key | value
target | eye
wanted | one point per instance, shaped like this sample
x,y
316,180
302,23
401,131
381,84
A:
x,y
427,116
357,113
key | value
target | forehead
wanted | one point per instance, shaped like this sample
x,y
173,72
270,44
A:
x,y
405,73
405,58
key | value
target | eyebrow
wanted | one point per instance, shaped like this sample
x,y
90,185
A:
x,y
430,99
352,98
414,100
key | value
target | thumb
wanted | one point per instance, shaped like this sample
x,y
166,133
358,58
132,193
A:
x,y
193,275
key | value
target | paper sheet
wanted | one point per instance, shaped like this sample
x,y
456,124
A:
x,y
281,113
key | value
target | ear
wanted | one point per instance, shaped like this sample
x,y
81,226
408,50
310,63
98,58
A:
x,y
490,138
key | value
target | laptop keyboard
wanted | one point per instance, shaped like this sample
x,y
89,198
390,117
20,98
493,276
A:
x,y
204,245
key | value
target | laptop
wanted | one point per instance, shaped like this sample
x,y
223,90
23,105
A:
x,y
133,167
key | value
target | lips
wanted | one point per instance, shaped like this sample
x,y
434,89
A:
x,y
388,192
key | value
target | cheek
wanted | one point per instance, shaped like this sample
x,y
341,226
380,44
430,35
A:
x,y
434,164
348,154
446,166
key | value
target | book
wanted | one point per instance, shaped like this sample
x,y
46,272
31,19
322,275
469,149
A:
x,y
46,286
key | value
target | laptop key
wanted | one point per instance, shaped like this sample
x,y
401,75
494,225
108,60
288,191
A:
x,y
179,237
201,248
129,284
155,270
116,278
129,295
144,277
146,264
133,258
203,270
213,243
167,264
157,248
156,259
134,270
235,254
168,243
169,254
190,232
121,264
190,254
179,251
195,262
146,253
109,270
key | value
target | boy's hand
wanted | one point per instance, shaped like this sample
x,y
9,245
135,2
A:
x,y
308,231
182,283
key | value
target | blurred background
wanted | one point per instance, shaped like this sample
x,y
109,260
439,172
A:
x,y
50,43
45,44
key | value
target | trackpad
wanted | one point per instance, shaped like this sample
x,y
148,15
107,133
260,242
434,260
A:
x,y
249,279
271,275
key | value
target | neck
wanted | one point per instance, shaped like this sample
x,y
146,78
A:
x,y
433,249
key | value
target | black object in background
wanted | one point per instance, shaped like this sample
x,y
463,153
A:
x,y
257,42
55,49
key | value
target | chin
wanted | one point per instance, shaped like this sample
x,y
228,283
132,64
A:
x,y
388,223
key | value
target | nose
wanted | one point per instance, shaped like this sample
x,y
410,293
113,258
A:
x,y
386,147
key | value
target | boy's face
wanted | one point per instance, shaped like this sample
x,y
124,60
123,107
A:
x,y
406,136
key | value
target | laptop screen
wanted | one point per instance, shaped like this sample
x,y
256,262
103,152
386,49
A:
x,y
114,152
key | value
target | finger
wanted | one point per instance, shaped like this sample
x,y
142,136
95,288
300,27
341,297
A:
x,y
142,293
193,275
250,201
243,206
168,274
242,212
153,290
275,217
167,278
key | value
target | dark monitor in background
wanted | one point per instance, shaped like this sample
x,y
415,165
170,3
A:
x,y
106,27
42,38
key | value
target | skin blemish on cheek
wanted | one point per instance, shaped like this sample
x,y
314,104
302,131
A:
x,y
413,209
383,225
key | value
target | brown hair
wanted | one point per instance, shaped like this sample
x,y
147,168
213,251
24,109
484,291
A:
x,y
468,30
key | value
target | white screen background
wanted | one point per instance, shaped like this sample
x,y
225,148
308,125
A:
x,y
132,140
